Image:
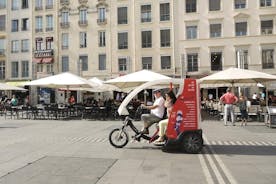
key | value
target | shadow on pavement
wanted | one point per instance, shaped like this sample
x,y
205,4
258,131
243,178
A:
x,y
144,147
243,150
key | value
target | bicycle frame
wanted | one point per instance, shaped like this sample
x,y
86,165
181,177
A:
x,y
128,122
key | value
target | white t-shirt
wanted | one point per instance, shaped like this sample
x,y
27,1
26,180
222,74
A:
x,y
158,111
254,97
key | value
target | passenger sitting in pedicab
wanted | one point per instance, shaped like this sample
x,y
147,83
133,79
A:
x,y
156,112
170,100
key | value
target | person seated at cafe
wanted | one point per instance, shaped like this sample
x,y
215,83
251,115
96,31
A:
x,y
14,101
27,100
72,100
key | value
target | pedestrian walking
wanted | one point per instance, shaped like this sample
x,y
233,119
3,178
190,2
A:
x,y
229,99
243,110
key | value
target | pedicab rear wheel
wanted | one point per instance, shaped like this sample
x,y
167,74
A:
x,y
192,143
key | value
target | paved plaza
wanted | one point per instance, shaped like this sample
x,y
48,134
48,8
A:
x,y
78,152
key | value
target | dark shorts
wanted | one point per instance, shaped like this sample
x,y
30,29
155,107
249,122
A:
x,y
244,114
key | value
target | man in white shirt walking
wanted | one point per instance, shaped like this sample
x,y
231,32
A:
x,y
156,112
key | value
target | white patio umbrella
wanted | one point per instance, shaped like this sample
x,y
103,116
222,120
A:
x,y
135,79
63,80
101,86
6,87
236,77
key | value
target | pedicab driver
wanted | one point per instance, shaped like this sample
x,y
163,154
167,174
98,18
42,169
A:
x,y
156,111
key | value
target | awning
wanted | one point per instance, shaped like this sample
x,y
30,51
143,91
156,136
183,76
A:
x,y
47,60
17,83
37,60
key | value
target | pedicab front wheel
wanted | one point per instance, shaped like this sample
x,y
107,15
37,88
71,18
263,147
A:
x,y
118,138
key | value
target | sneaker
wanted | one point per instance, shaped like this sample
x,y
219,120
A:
x,y
145,131
159,143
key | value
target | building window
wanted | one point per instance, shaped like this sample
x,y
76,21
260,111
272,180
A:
x,y
39,44
25,68
65,41
65,64
3,4
64,17
101,14
266,27
192,62
39,68
102,61
84,63
122,15
240,4
25,24
25,4
25,45
14,46
146,13
38,24
49,43
216,61
215,30
147,63
2,46
214,5
49,23
165,38
83,40
241,28
83,16
164,11
268,58
2,22
15,5
242,59
14,69
165,62
2,70
14,25
38,5
191,32
122,63
146,39
190,6
265,3
49,4
123,40
101,38
49,68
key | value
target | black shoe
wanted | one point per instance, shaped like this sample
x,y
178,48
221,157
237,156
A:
x,y
145,131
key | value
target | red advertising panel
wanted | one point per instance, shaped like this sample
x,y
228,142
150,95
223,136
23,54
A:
x,y
184,115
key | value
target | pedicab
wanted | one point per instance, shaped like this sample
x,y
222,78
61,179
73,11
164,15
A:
x,y
182,131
